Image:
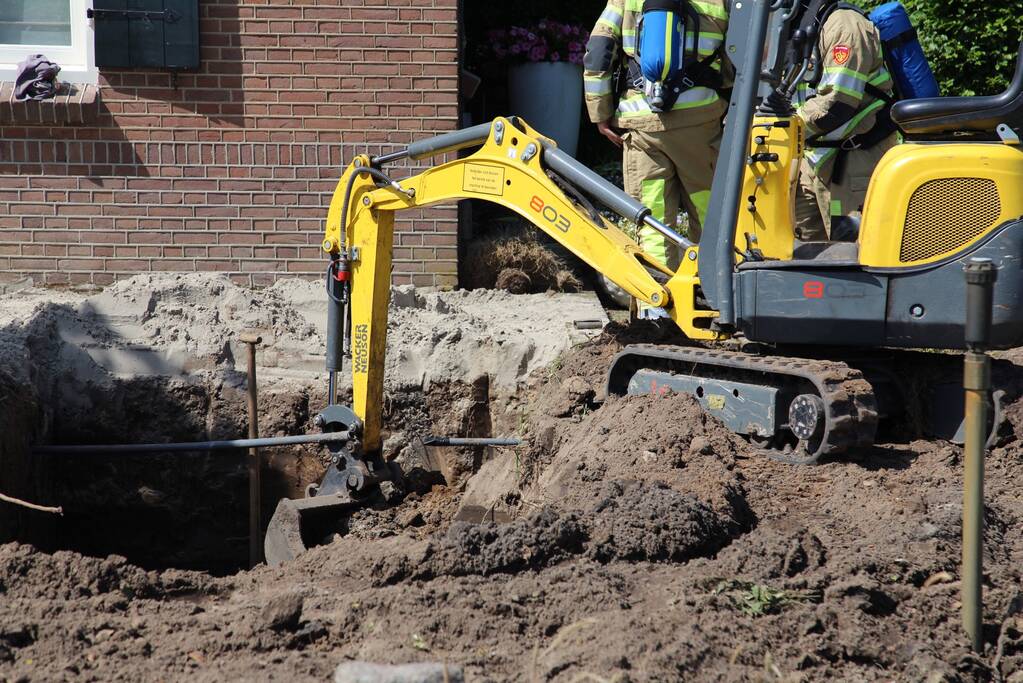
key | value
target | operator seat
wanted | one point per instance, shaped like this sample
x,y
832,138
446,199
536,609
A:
x,y
943,117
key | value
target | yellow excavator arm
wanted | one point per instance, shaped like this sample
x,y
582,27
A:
x,y
515,167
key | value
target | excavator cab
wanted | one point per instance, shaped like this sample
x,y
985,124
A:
x,y
948,194
819,319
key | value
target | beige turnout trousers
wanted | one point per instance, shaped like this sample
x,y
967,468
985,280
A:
x,y
824,208
671,170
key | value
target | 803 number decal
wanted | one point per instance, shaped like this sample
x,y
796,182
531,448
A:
x,y
550,214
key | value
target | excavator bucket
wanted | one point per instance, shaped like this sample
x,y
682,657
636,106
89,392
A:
x,y
299,524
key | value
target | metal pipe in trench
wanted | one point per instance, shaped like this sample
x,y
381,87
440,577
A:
x,y
230,445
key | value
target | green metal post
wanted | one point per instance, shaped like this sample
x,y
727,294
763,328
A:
x,y
980,278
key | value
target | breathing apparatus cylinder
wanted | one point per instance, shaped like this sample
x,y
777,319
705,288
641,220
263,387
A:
x,y
903,54
660,49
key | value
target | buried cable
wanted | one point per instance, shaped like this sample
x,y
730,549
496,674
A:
x,y
32,506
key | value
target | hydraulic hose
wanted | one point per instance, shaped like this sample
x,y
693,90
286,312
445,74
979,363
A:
x,y
376,173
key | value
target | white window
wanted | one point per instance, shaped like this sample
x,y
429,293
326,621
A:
x,y
58,29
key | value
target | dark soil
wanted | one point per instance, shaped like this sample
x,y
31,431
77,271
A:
x,y
647,543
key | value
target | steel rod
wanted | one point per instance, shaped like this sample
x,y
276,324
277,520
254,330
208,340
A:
x,y
455,441
232,444
388,158
255,461
668,232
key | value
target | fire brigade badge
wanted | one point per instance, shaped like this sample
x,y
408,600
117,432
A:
x,y
840,53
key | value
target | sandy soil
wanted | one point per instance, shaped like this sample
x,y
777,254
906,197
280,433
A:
x,y
645,542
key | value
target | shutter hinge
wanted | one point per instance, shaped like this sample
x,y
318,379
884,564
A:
x,y
168,16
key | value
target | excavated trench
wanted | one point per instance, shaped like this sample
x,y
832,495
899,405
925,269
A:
x,y
158,359
186,510
160,510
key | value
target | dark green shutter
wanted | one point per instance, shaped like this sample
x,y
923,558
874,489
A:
x,y
136,41
181,39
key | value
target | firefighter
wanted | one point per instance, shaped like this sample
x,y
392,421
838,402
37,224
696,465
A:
x,y
670,147
845,107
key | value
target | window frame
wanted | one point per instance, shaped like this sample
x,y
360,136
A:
x,y
77,61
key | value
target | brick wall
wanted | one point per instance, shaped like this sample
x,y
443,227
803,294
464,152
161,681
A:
x,y
232,170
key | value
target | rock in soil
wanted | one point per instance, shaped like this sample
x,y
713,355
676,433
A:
x,y
364,672
280,613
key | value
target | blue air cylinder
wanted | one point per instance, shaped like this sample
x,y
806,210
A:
x,y
904,56
660,44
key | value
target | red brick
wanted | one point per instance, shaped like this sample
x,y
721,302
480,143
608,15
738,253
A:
x,y
233,170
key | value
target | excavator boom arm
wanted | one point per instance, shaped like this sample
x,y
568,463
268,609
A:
x,y
515,167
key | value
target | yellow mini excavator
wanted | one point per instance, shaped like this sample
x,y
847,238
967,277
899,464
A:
x,y
950,193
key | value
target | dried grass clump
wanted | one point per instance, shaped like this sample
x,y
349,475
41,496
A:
x,y
519,264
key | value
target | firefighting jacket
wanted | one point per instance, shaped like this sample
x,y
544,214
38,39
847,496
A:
x,y
613,42
845,101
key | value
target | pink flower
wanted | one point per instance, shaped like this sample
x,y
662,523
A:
x,y
547,40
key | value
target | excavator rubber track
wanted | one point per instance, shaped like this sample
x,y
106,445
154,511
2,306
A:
x,y
849,414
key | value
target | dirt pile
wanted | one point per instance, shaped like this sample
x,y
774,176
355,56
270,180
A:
x,y
28,574
643,542
176,325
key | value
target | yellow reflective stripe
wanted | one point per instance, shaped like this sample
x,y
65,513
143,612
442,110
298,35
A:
x,y
652,196
597,86
695,97
710,9
611,16
855,94
668,26
654,244
629,41
856,120
701,200
881,80
636,105
847,72
708,42
633,5
836,207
